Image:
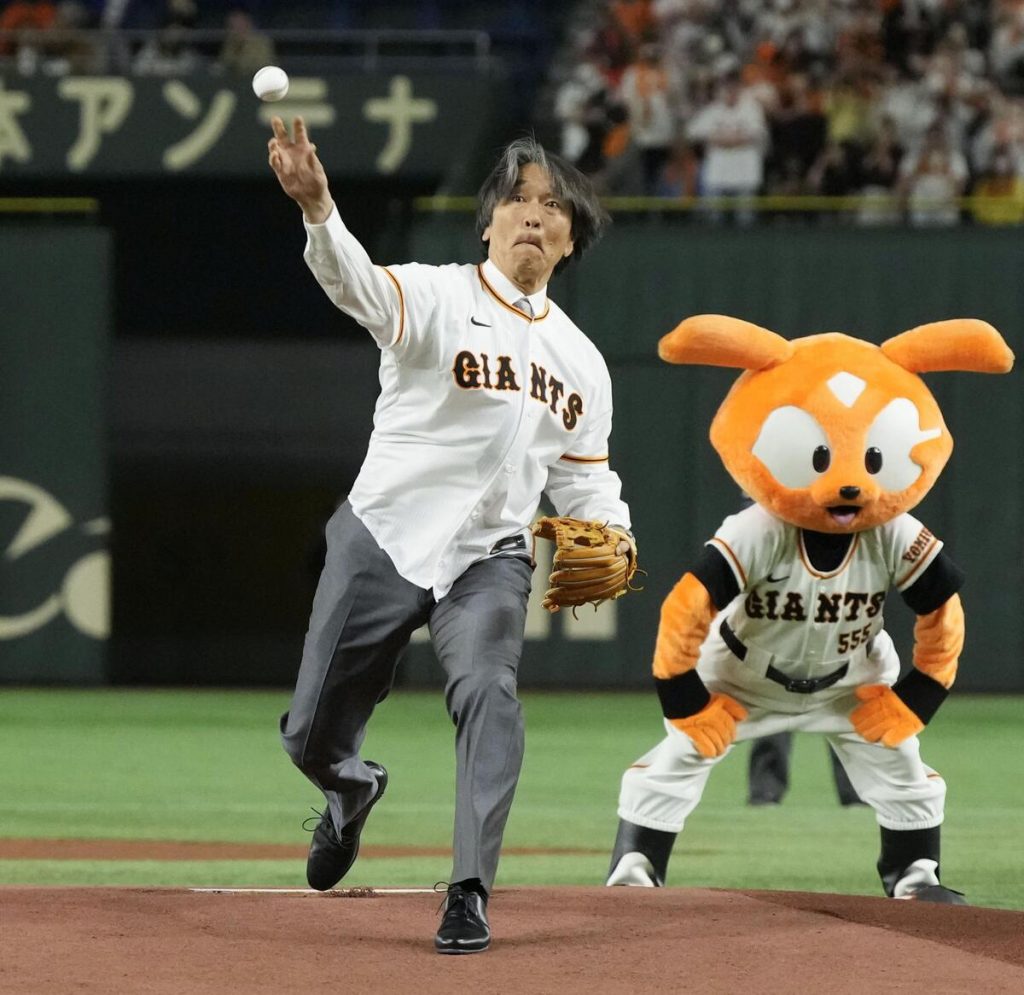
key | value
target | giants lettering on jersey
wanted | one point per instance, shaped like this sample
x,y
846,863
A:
x,y
789,606
472,373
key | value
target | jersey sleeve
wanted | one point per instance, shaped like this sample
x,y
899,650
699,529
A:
x,y
935,585
346,274
397,305
749,542
910,549
714,572
581,483
588,444
421,292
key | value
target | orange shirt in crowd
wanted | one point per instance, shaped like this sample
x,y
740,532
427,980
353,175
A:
x,y
25,15
635,17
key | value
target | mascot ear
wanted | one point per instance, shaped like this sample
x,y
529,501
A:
x,y
717,340
958,344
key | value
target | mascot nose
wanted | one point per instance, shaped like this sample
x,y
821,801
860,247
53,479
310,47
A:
x,y
849,493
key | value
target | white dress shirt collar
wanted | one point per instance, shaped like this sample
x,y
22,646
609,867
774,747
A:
x,y
509,292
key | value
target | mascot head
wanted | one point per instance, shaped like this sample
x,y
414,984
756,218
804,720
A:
x,y
828,432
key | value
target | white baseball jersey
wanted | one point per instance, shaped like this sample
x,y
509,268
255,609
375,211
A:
x,y
482,408
809,621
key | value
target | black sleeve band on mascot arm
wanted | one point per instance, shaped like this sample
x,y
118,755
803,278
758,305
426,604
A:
x,y
940,581
921,694
712,570
682,696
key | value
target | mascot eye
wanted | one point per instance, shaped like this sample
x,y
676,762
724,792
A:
x,y
873,460
893,434
793,446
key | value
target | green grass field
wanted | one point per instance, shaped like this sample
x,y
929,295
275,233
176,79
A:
x,y
207,765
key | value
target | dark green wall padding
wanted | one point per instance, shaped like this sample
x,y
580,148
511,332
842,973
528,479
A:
x,y
54,579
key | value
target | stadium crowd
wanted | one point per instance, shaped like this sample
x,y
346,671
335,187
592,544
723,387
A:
x,y
905,106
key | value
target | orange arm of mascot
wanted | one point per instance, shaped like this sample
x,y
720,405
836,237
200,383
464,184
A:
x,y
892,714
708,719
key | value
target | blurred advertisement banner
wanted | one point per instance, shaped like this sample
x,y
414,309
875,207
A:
x,y
377,124
54,561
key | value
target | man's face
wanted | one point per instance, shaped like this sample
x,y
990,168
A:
x,y
530,232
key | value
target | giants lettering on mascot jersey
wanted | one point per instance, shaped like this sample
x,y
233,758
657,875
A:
x,y
472,373
831,607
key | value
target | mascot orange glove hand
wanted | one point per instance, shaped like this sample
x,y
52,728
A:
x,y
884,716
713,728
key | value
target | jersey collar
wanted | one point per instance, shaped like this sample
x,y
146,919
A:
x,y
501,287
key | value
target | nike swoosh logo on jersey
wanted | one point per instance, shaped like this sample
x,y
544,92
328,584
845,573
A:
x,y
482,324
776,580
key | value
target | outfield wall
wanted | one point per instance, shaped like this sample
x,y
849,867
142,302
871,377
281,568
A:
x,y
54,561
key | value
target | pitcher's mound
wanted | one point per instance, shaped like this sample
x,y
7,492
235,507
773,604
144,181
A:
x,y
557,940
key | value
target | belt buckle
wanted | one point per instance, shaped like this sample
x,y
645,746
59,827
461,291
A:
x,y
802,685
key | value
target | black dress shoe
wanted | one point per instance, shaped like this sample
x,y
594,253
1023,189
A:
x,y
464,927
332,854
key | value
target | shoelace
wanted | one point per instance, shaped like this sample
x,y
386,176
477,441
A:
x,y
320,816
441,888
455,900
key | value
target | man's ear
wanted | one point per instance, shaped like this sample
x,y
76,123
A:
x,y
568,249
486,235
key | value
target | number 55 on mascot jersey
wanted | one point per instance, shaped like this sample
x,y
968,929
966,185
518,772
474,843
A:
x,y
778,625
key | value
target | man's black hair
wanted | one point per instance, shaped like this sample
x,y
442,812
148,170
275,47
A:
x,y
589,218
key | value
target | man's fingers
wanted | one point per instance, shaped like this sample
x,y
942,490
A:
x,y
299,127
280,132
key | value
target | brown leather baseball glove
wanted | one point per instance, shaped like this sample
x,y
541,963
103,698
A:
x,y
593,562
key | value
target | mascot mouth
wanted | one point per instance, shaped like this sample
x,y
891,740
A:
x,y
843,514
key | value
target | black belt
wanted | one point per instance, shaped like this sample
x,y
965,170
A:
x,y
510,544
803,685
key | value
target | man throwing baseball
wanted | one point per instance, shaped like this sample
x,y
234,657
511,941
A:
x,y
490,396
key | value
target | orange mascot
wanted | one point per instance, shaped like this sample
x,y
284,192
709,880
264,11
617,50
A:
x,y
778,625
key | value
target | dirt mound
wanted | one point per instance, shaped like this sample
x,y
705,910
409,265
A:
x,y
564,940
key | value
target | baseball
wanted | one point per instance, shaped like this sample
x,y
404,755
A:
x,y
270,83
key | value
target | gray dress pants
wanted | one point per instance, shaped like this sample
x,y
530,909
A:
x,y
362,618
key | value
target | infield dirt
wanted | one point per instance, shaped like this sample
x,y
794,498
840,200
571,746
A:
x,y
546,940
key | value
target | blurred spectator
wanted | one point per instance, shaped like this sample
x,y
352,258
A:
x,y
881,161
835,172
849,102
734,133
70,49
1002,128
798,130
879,174
634,17
612,46
998,196
245,49
644,92
28,16
581,108
1006,52
932,179
620,165
680,173
910,107
169,53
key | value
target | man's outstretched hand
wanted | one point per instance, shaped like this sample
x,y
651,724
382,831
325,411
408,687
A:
x,y
299,171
